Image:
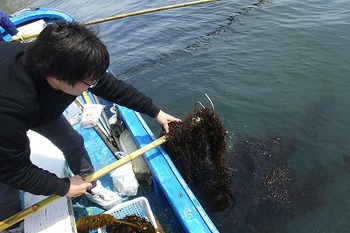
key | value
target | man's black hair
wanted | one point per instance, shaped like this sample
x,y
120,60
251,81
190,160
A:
x,y
67,51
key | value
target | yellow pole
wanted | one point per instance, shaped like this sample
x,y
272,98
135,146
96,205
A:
x,y
94,176
107,169
147,11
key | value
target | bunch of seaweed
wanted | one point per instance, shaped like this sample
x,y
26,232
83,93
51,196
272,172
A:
x,y
197,146
199,137
129,224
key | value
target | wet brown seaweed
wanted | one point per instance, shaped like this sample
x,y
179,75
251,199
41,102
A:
x,y
145,226
87,223
197,146
132,224
199,138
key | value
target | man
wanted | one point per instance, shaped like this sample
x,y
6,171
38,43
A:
x,y
8,26
39,80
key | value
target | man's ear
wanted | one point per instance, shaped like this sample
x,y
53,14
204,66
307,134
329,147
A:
x,y
54,82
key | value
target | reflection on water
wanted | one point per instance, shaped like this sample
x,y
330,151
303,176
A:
x,y
205,41
199,45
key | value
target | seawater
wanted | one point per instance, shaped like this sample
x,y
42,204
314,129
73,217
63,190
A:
x,y
270,67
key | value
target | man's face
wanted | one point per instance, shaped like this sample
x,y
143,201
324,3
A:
x,y
75,90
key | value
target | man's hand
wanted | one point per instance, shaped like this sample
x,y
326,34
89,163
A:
x,y
77,186
164,119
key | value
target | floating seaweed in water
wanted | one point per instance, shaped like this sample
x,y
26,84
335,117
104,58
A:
x,y
267,189
207,169
346,158
130,224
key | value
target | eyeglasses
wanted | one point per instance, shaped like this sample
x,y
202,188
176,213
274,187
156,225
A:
x,y
91,85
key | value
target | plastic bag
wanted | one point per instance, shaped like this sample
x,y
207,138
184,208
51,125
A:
x,y
124,180
91,114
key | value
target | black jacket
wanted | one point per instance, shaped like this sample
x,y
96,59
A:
x,y
26,103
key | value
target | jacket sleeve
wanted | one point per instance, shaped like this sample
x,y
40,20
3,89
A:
x,y
7,24
16,169
112,89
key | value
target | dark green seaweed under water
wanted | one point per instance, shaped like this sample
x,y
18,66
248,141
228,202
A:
x,y
269,192
277,71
